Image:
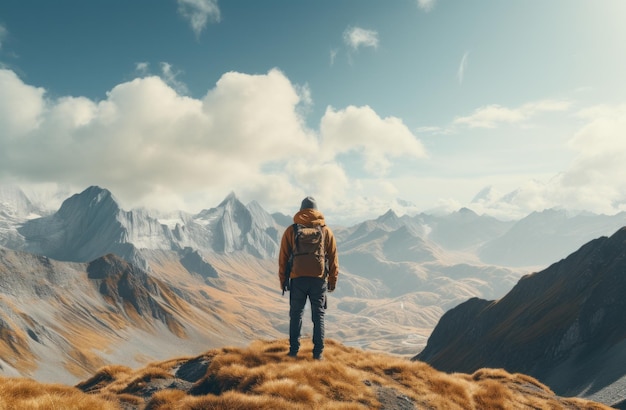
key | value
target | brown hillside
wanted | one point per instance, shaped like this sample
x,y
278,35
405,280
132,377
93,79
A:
x,y
261,376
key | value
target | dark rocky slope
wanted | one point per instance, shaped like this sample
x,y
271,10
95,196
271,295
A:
x,y
565,325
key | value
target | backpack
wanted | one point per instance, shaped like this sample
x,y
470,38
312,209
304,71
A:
x,y
309,255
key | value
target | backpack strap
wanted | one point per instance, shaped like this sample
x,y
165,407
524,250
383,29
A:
x,y
295,239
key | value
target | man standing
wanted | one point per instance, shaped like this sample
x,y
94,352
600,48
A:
x,y
308,267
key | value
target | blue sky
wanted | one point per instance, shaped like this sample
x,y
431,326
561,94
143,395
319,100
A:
x,y
367,105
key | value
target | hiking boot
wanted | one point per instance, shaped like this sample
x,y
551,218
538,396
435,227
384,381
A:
x,y
292,354
318,356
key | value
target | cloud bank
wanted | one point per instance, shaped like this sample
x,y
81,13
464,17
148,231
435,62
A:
x,y
154,147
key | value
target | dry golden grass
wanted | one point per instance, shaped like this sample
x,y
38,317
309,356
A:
x,y
20,393
261,376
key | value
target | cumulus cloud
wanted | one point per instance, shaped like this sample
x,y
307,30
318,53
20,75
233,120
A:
x,y
199,13
154,147
426,5
378,139
596,177
20,105
168,74
356,37
493,115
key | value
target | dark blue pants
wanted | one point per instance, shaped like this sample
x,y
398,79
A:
x,y
315,290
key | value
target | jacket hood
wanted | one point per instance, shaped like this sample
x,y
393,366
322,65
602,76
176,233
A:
x,y
309,217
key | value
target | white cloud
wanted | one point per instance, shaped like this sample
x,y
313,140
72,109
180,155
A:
x,y
493,115
378,139
199,13
462,67
3,34
593,181
356,37
21,106
426,5
169,75
333,56
153,147
142,68
596,178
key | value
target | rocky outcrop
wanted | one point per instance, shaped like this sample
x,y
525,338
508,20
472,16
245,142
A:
x,y
564,325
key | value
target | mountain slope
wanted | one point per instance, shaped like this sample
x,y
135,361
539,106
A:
x,y
397,274
61,320
564,325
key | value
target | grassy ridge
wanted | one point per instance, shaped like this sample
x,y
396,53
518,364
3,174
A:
x,y
261,376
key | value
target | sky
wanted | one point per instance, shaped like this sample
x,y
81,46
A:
x,y
412,105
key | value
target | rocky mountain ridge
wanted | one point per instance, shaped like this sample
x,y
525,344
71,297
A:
x,y
538,239
92,224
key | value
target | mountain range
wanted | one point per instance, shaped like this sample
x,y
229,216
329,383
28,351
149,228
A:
x,y
87,284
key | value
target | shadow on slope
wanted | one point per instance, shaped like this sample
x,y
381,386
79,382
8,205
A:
x,y
134,292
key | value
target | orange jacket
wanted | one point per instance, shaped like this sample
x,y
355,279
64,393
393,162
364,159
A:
x,y
308,217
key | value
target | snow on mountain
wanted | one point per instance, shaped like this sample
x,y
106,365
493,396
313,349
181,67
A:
x,y
91,224
234,226
14,204
15,208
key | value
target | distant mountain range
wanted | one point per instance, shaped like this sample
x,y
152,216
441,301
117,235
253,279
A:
x,y
196,280
565,325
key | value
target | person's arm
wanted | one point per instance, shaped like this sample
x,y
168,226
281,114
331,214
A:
x,y
284,254
333,260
